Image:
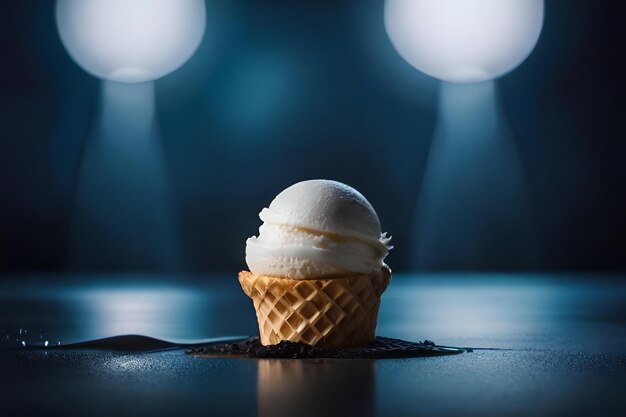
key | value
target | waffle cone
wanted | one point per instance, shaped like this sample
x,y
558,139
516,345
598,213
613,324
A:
x,y
338,312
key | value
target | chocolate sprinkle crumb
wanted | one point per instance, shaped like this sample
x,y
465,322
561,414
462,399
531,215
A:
x,y
380,348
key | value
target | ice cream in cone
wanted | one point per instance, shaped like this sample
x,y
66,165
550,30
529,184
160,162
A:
x,y
316,269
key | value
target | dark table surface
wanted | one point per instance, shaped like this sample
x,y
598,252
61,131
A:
x,y
559,340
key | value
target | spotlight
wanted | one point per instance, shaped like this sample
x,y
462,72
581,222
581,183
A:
x,y
131,40
464,40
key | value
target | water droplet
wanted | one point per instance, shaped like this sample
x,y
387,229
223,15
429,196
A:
x,y
58,343
20,331
23,343
45,343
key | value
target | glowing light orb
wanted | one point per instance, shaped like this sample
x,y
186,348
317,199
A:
x,y
131,40
464,40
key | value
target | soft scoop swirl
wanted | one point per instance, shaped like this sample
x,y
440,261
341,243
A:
x,y
317,229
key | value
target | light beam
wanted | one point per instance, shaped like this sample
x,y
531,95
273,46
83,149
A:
x,y
474,210
122,217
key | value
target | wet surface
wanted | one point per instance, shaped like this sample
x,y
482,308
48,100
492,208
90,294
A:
x,y
565,338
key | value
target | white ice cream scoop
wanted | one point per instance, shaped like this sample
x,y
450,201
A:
x,y
317,229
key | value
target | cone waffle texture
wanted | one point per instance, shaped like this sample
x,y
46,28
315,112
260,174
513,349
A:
x,y
338,312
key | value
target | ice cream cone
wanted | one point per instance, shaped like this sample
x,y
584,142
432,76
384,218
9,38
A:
x,y
337,312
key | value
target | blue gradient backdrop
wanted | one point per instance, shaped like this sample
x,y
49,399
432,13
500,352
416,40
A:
x,y
279,92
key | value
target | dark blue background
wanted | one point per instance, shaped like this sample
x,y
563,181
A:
x,y
280,92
